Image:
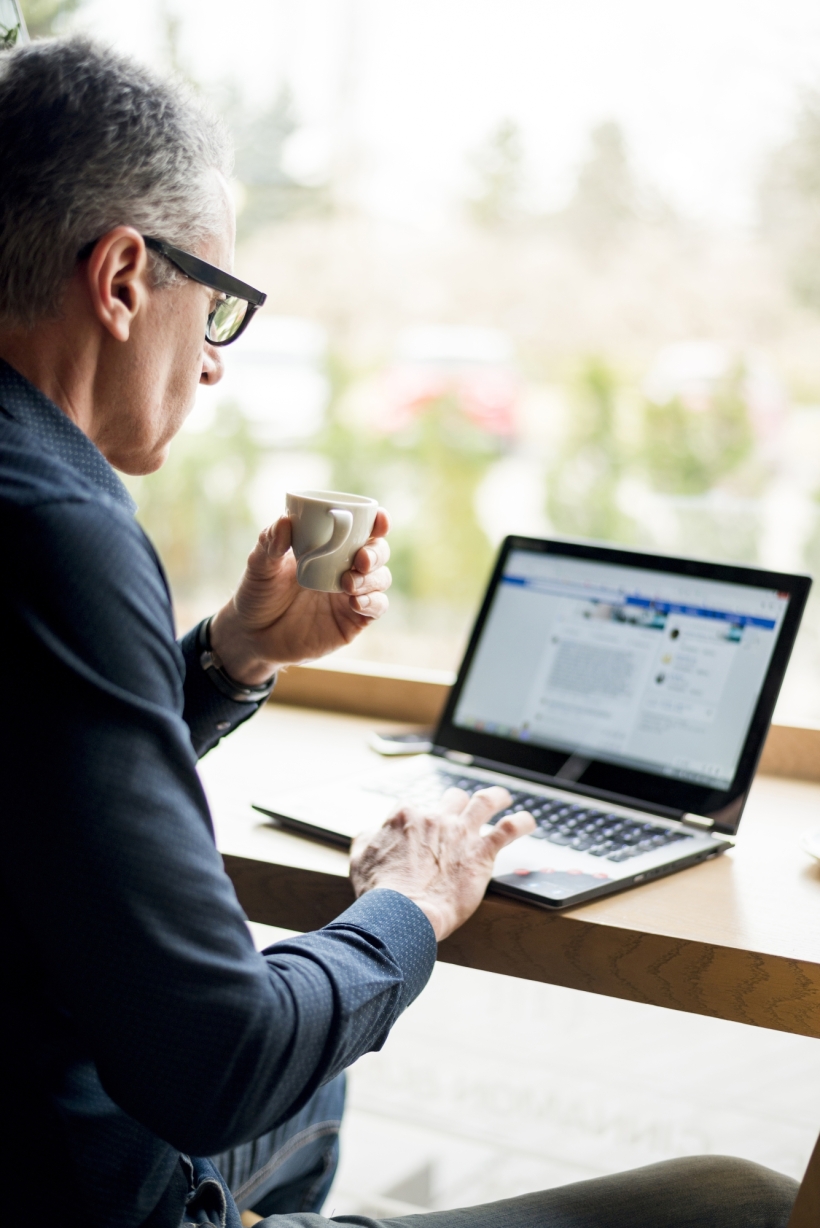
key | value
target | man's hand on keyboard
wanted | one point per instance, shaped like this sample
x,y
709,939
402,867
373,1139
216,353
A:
x,y
442,857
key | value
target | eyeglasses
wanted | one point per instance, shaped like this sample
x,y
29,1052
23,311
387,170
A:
x,y
238,301
237,304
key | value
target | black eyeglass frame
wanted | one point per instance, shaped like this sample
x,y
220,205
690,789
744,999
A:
x,y
206,275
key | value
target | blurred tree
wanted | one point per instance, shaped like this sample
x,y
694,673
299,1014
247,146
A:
x,y
811,548
582,488
688,449
44,17
195,508
498,168
171,23
607,198
10,27
431,468
790,203
446,552
269,193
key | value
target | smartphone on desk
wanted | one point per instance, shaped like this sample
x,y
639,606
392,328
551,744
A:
x,y
404,742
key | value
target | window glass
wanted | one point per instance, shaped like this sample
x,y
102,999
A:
x,y
541,268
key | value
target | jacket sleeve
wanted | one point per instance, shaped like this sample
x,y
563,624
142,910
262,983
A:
x,y
208,713
110,864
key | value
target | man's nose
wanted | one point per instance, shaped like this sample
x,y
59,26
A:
x,y
213,366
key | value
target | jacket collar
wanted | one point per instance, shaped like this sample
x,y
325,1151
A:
x,y
31,409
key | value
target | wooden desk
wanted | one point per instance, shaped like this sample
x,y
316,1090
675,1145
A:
x,y
737,938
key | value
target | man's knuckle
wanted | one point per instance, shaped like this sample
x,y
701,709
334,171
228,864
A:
x,y
486,803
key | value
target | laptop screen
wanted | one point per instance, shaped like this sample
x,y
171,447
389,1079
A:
x,y
658,671
651,670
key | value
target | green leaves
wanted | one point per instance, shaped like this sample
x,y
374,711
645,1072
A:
x,y
688,449
9,36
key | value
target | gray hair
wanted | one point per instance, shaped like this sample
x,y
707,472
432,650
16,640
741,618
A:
x,y
90,141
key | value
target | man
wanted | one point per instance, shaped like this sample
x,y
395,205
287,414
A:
x,y
144,1034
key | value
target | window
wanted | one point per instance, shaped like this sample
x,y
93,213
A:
x,y
530,267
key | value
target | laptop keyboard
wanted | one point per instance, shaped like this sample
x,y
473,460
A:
x,y
612,837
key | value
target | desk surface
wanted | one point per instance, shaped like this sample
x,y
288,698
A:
x,y
737,938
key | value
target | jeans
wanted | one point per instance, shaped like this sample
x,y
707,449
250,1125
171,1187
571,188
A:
x,y
292,1167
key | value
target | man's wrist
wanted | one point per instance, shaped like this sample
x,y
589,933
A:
x,y
235,689
238,658
441,925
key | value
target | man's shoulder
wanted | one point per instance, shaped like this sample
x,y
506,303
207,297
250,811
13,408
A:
x,y
56,520
81,572
32,475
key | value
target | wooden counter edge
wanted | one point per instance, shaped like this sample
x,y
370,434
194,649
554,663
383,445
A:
x,y
364,689
516,939
417,697
806,1210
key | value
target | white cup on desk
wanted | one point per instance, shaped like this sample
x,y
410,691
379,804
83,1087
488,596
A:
x,y
328,527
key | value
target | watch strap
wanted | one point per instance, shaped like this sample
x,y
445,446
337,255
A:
x,y
211,663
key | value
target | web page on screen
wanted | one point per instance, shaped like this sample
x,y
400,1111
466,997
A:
x,y
646,669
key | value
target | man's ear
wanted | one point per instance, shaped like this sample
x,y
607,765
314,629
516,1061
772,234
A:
x,y
116,278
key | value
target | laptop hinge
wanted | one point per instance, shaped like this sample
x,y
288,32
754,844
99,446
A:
x,y
697,820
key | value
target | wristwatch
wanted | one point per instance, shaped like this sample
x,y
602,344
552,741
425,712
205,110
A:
x,y
239,692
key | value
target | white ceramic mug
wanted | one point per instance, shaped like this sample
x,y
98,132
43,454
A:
x,y
328,528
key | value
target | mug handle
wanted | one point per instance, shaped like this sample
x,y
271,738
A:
x,y
342,524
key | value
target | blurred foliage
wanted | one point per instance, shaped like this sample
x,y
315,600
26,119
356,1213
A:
x,y
728,532
270,193
44,17
583,485
447,552
267,193
689,450
607,199
195,508
811,548
428,472
172,23
498,167
790,203
9,36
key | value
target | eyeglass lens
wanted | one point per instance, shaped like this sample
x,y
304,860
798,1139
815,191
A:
x,y
226,318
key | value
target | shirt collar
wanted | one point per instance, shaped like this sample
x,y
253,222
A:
x,y
31,409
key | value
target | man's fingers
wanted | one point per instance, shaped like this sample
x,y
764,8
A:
x,y
508,829
276,538
371,605
375,552
453,801
381,525
372,555
487,802
271,546
378,581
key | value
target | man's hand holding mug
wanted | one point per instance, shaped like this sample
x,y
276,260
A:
x,y
277,618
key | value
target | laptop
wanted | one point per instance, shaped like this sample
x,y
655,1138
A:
x,y
622,698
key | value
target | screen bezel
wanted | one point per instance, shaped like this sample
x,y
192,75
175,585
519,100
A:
x,y
663,794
